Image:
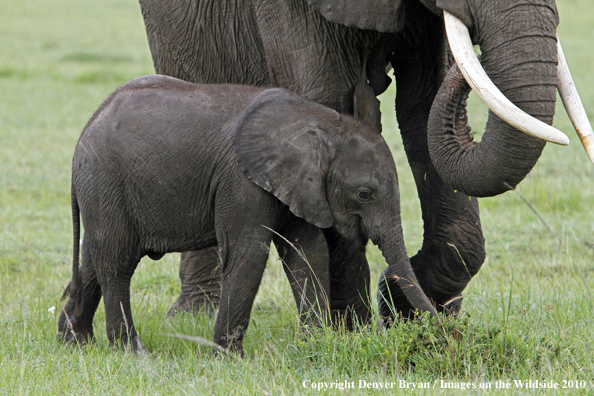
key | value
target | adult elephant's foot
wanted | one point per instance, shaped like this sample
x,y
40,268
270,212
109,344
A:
x,y
200,274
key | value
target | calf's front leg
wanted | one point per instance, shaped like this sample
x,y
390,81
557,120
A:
x,y
244,255
303,251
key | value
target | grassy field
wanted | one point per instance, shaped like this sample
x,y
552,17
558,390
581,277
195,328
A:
x,y
529,313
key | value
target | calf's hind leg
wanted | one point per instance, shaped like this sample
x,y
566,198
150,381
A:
x,y
118,315
76,319
115,263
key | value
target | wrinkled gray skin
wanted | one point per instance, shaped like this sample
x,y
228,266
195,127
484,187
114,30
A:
x,y
317,49
166,165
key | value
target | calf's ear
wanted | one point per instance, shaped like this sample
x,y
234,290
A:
x,y
281,148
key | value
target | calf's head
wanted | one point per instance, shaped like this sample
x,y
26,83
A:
x,y
330,170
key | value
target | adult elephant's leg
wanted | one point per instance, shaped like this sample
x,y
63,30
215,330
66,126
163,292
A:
x,y
200,271
217,44
324,62
200,274
453,245
164,60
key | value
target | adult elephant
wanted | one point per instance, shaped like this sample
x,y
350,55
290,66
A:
x,y
335,52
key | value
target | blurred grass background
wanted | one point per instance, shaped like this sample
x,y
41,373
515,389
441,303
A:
x,y
529,310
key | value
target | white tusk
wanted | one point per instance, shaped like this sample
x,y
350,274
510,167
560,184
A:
x,y
573,104
475,75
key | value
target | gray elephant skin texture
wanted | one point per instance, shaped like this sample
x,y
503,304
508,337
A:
x,y
170,166
336,52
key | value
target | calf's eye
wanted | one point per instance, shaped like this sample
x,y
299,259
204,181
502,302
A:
x,y
364,194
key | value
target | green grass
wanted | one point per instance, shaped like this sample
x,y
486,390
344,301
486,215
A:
x,y
528,313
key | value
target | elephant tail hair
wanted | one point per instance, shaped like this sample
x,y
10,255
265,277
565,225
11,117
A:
x,y
72,288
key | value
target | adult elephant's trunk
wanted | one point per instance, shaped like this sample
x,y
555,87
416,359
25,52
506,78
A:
x,y
521,60
453,252
400,271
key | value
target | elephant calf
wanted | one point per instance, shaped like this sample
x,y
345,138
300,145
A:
x,y
170,166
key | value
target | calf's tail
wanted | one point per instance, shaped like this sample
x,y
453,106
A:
x,y
73,287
